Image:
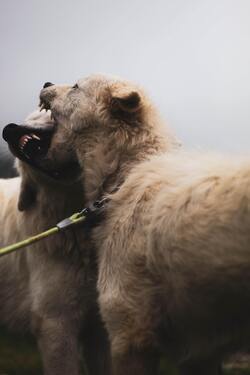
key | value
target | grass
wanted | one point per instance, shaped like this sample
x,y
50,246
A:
x,y
19,356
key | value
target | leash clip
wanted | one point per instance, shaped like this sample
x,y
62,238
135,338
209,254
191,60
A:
x,y
64,223
72,220
87,212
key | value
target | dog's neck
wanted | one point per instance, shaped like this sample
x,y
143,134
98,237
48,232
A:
x,y
48,197
108,165
60,200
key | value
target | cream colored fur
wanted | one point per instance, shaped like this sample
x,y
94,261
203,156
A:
x,y
174,246
49,288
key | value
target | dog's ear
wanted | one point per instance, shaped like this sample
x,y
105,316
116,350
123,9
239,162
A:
x,y
125,100
27,195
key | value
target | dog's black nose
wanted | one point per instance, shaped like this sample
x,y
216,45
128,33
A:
x,y
47,84
8,131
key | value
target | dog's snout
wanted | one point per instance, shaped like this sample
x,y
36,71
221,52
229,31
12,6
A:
x,y
47,95
47,84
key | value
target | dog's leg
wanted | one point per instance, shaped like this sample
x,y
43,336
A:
x,y
57,313
133,347
130,319
96,346
143,362
58,343
132,351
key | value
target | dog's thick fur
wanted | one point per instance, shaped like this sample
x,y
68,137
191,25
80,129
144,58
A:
x,y
49,288
174,248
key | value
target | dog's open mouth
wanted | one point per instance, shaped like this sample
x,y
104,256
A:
x,y
32,144
28,143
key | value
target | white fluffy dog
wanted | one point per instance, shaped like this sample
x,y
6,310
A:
x,y
174,246
49,288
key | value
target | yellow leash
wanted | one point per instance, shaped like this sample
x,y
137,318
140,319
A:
x,y
19,245
75,219
63,225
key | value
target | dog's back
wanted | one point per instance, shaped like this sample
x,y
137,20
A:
x,y
14,275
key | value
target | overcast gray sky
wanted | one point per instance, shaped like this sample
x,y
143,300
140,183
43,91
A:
x,y
192,56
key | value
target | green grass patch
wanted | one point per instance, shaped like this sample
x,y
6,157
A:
x,y
19,356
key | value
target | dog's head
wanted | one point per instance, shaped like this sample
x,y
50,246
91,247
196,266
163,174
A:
x,y
44,154
106,116
96,104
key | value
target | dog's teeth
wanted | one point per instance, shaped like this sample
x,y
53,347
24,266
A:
x,y
24,140
35,137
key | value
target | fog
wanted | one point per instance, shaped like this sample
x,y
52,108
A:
x,y
192,57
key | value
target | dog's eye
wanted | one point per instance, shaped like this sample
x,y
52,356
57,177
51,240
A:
x,y
75,86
